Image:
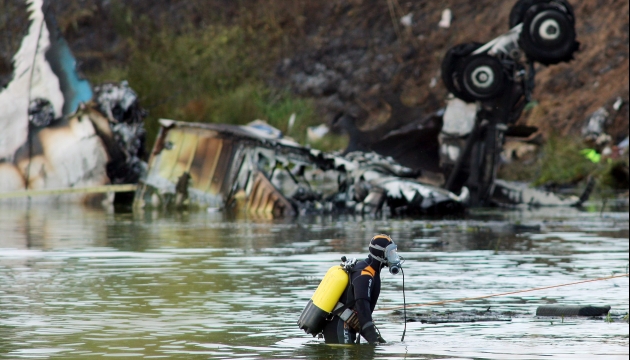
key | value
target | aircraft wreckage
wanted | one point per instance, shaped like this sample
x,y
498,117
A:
x,y
57,133
60,136
246,167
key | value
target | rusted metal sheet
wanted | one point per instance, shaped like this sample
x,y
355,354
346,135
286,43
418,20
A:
x,y
264,198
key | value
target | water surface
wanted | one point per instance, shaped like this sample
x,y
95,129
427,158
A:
x,y
80,283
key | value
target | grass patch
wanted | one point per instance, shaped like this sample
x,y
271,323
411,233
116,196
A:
x,y
212,74
560,162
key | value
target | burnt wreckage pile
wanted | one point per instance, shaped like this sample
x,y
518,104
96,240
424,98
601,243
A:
x,y
498,77
245,168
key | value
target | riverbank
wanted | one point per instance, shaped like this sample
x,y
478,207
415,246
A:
x,y
233,62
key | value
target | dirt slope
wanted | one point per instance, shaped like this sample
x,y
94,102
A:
x,y
365,54
356,57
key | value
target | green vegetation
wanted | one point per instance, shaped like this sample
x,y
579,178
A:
x,y
609,318
214,73
561,161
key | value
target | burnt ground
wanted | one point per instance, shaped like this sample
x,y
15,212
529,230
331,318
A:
x,y
382,72
356,59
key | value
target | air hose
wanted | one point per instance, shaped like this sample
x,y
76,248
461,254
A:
x,y
404,306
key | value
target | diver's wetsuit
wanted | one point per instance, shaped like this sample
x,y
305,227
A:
x,y
365,287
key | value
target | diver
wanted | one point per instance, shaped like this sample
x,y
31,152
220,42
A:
x,y
340,316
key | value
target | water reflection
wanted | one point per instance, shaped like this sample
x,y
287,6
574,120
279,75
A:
x,y
78,282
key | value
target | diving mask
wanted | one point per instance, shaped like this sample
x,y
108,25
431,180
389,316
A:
x,y
392,259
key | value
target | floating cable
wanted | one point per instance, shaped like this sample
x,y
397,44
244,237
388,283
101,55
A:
x,y
493,295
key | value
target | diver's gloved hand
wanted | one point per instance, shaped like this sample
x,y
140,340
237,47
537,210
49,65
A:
x,y
370,334
380,339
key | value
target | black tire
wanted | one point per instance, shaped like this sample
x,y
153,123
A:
x,y
483,77
548,35
451,69
517,14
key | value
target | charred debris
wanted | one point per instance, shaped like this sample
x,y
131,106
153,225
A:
x,y
59,133
251,168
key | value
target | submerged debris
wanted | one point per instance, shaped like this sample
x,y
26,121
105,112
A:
x,y
572,310
487,315
506,193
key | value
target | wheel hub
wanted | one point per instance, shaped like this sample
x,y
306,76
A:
x,y
482,77
549,29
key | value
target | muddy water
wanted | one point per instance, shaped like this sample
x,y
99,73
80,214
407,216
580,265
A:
x,y
81,283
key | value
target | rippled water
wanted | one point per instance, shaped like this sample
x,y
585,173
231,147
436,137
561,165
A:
x,y
82,283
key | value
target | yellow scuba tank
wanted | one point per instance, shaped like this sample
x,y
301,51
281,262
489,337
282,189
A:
x,y
323,301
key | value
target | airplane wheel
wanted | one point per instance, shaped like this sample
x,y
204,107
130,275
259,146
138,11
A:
x,y
548,35
451,69
483,77
517,14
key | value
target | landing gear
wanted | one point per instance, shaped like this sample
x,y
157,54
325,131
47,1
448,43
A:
x,y
499,77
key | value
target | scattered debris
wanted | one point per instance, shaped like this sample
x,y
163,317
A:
x,y
592,155
315,133
263,129
445,20
623,145
517,151
543,311
291,122
595,125
455,316
126,144
407,20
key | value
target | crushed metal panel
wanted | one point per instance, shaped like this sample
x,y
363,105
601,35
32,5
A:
x,y
226,164
169,163
264,198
